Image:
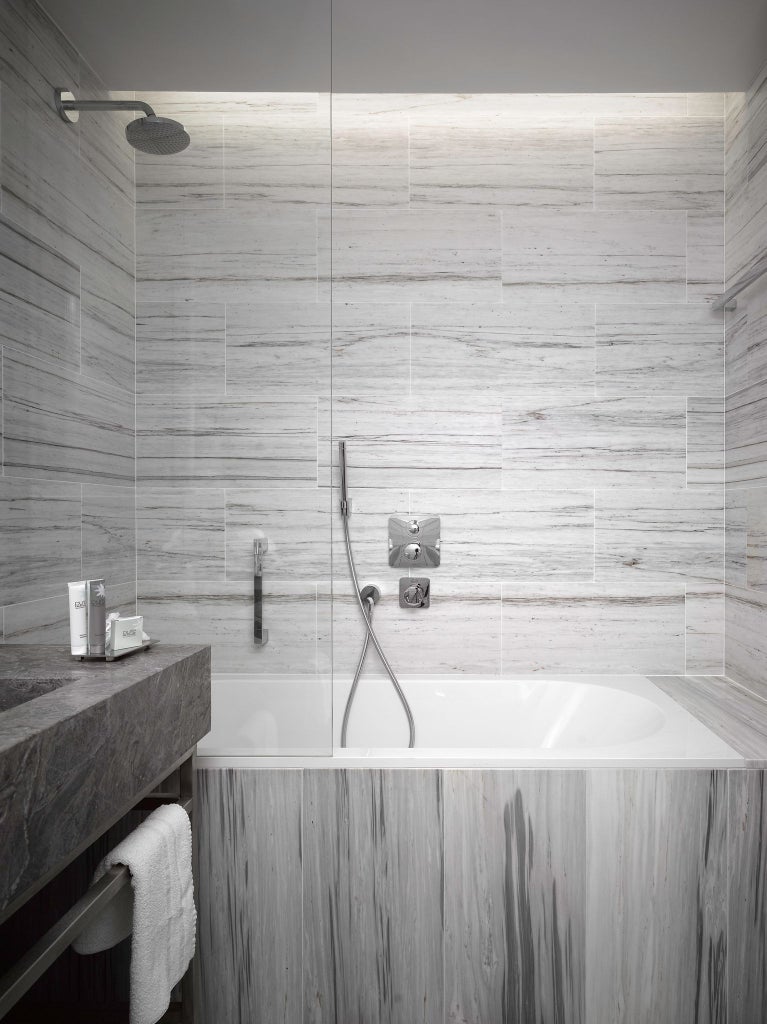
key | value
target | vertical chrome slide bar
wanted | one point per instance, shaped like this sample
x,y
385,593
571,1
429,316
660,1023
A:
x,y
260,635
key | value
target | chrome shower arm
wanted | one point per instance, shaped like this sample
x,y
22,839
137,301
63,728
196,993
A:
x,y
64,104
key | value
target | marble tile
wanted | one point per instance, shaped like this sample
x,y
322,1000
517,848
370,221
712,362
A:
x,y
370,154
593,442
278,348
593,627
449,107
705,255
672,535
369,530
180,534
501,161
415,443
746,419
736,535
705,104
40,522
747,945
704,629
194,178
492,348
109,533
512,535
108,341
705,442
747,339
371,352
277,158
47,621
250,911
47,434
35,57
180,348
225,442
516,873
221,614
659,349
660,163
373,896
421,642
745,637
296,523
656,930
415,256
599,256
39,299
225,256
102,136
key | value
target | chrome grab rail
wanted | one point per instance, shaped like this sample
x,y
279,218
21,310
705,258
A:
x,y
727,301
260,635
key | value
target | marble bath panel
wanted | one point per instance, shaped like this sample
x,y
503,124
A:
x,y
492,348
296,523
659,349
180,534
225,256
108,339
660,535
181,348
747,339
705,442
46,621
593,627
221,614
747,947
661,163
516,873
512,535
746,453
656,926
109,533
278,348
225,442
415,256
371,350
705,255
746,637
594,256
460,632
370,154
277,158
373,896
438,442
501,161
250,871
39,299
62,426
569,442
41,526
704,629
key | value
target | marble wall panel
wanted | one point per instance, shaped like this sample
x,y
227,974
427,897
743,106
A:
x,y
180,533
181,348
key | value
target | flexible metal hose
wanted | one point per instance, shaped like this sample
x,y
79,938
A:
x,y
370,635
360,664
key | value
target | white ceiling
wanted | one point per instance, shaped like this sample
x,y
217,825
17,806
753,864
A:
x,y
421,45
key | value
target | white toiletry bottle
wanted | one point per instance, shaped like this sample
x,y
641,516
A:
x,y
78,619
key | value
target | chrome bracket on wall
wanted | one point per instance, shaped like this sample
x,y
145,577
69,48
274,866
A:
x,y
260,635
414,543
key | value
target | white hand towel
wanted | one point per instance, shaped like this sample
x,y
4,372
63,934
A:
x,y
158,909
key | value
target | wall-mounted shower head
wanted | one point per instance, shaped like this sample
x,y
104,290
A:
x,y
149,134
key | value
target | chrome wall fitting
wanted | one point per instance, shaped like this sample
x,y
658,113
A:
x,y
414,543
260,635
414,592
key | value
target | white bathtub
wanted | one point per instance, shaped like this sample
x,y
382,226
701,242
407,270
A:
x,y
461,721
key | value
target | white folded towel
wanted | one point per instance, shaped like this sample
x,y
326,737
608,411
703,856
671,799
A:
x,y
158,908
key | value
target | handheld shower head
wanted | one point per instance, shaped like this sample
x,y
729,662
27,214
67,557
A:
x,y
345,510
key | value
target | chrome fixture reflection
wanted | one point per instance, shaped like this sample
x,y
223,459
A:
x,y
260,635
414,592
414,543
366,599
160,136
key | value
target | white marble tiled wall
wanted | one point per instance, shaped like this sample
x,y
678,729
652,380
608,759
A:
x,y
746,389
67,335
504,306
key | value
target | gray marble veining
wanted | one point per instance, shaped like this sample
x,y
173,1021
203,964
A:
x,y
180,347
180,533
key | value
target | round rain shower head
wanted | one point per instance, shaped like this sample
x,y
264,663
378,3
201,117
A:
x,y
159,135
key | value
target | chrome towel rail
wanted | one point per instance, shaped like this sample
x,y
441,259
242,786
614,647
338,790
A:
x,y
727,301
260,635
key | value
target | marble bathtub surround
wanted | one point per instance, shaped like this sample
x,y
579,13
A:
x,y
67,322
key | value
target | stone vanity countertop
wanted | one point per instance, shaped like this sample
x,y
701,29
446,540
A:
x,y
74,759
734,713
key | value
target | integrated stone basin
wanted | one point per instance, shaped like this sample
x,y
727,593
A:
x,y
80,743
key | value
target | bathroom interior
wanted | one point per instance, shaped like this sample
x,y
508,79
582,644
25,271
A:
x,y
384,512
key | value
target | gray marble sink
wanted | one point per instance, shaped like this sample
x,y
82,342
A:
x,y
80,743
